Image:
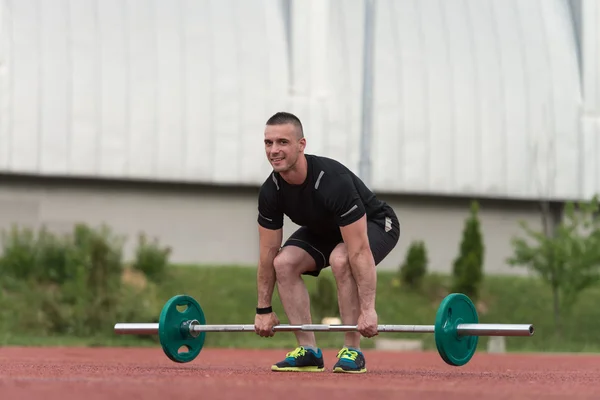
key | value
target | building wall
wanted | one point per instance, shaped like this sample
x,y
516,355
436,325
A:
x,y
470,98
590,81
218,225
495,99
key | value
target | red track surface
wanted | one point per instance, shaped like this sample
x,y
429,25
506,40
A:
x,y
98,373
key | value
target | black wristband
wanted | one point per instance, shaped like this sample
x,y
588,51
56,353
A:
x,y
264,310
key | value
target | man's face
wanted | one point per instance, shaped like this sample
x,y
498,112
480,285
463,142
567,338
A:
x,y
283,146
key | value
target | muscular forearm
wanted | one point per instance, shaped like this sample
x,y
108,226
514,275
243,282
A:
x,y
365,276
265,279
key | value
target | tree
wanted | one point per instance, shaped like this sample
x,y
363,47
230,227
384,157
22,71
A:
x,y
567,258
414,267
468,266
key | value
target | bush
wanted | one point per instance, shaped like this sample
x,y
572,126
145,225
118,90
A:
x,y
414,267
69,284
151,259
324,298
467,279
41,257
100,253
467,272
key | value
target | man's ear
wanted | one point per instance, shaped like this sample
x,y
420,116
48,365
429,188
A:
x,y
302,143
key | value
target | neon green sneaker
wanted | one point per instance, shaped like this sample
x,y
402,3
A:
x,y
350,361
301,360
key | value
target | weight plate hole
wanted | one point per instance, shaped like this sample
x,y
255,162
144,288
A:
x,y
184,349
182,307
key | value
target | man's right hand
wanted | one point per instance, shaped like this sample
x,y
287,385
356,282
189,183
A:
x,y
264,323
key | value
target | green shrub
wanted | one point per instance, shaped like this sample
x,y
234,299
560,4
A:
x,y
151,259
324,298
19,254
100,252
40,257
414,267
467,272
467,279
69,284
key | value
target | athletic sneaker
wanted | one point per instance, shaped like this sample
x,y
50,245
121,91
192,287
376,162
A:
x,y
350,361
301,360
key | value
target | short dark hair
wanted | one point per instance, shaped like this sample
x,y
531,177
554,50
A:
x,y
283,117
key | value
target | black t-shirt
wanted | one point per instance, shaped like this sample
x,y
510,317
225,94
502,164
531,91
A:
x,y
330,197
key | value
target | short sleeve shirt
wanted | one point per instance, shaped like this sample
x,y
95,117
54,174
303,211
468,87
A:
x,y
332,196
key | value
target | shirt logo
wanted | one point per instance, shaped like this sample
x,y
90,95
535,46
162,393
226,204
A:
x,y
388,224
354,207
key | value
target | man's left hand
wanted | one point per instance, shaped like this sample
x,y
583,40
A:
x,y
367,323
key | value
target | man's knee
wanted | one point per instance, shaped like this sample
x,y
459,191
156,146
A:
x,y
284,265
339,262
292,262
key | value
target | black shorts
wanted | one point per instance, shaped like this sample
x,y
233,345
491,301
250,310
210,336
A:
x,y
320,247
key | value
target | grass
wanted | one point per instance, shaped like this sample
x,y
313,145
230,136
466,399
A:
x,y
227,295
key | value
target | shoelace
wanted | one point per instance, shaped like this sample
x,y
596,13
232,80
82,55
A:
x,y
299,351
346,353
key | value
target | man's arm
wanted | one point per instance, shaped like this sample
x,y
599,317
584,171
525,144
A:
x,y
361,260
269,244
342,198
270,233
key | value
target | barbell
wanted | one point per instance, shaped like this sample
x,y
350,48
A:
x,y
456,330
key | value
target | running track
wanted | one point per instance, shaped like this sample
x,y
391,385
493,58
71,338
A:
x,y
109,373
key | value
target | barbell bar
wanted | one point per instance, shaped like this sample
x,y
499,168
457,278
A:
x,y
462,329
456,329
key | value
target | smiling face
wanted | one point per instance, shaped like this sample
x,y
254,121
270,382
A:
x,y
284,144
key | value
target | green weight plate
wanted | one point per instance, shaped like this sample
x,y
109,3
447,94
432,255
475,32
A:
x,y
173,337
455,309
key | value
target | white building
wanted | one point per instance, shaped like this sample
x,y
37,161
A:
x,y
148,115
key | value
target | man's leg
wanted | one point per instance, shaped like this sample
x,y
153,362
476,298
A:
x,y
347,292
289,265
382,240
302,254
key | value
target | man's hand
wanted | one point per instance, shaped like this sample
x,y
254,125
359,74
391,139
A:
x,y
264,323
367,323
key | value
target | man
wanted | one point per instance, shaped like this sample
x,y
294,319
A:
x,y
342,225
